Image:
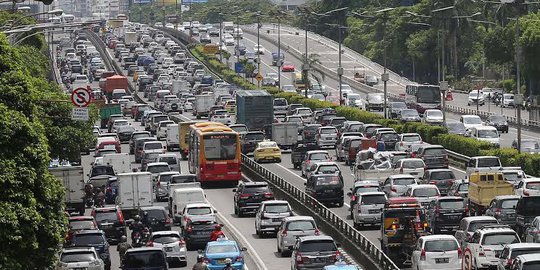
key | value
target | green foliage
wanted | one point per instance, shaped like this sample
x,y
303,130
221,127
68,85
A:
x,y
463,145
512,158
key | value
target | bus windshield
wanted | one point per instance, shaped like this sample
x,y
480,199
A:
x,y
428,94
220,146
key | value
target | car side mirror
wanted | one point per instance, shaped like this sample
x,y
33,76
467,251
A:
x,y
349,194
215,211
234,190
243,249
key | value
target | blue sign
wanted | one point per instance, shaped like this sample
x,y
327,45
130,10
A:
x,y
238,67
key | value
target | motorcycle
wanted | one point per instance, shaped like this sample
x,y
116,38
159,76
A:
x,y
140,239
89,200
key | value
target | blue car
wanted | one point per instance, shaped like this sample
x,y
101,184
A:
x,y
341,266
217,252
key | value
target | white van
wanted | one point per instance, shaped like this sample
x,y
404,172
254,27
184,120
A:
x,y
160,94
118,94
183,194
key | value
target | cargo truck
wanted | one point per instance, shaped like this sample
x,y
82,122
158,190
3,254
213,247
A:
x,y
135,190
172,139
484,186
183,138
130,37
73,179
120,162
107,110
254,108
202,104
115,82
285,134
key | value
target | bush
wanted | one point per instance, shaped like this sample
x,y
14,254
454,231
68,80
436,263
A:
x,y
463,145
529,163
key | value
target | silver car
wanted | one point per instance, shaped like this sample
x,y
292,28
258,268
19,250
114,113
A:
x,y
396,185
367,209
173,245
161,188
312,157
326,137
292,228
269,216
80,258
313,252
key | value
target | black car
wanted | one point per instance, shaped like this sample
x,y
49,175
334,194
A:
x,y
445,213
96,239
395,108
527,208
156,218
308,134
249,195
145,258
124,133
389,139
326,188
250,140
197,233
111,221
297,155
499,122
442,178
455,128
213,32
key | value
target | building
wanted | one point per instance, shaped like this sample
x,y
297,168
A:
x,y
289,4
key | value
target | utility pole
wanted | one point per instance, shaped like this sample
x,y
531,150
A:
x,y
258,47
340,68
279,64
519,97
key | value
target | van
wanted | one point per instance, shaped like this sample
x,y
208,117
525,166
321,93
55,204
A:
x,y
118,94
183,194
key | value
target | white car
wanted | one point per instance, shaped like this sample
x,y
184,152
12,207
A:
x,y
486,244
424,194
407,139
484,133
476,96
196,212
412,166
221,116
161,130
172,243
528,187
470,121
228,40
433,117
80,258
119,123
258,49
436,252
510,252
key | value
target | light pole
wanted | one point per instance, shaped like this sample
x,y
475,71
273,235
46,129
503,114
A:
x,y
258,14
237,50
339,68
279,62
55,12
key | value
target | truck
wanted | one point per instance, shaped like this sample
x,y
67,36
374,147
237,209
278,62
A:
x,y
183,138
202,104
285,134
254,108
173,137
484,186
130,37
483,164
73,179
106,111
120,162
135,190
228,27
115,82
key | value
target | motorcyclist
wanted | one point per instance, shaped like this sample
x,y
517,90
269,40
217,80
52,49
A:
x,y
228,265
122,247
100,196
200,265
136,227
216,233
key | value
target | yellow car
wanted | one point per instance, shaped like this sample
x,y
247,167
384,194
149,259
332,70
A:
x,y
267,150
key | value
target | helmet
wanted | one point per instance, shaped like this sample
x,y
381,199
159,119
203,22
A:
x,y
137,218
200,258
123,238
218,227
228,261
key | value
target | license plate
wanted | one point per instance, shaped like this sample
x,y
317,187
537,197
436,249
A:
x,y
374,211
328,191
276,219
441,260
109,147
453,217
169,249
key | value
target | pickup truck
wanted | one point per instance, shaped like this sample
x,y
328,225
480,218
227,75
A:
x,y
484,187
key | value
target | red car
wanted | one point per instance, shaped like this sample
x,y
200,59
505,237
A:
x,y
287,67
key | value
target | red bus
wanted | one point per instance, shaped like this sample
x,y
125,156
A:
x,y
214,153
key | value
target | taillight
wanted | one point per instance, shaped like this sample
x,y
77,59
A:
x,y
284,233
466,208
498,212
150,244
268,195
158,184
432,182
121,217
239,259
181,243
244,196
509,262
423,255
168,220
353,198
459,253
299,259
189,229
437,211
317,232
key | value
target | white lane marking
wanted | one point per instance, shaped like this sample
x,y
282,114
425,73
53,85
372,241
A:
x,y
300,177
257,259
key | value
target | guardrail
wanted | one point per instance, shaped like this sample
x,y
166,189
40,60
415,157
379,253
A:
x,y
352,240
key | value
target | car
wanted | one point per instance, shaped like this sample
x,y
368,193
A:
x,y
433,117
111,221
526,262
96,239
434,156
442,178
460,187
326,137
455,127
79,223
484,133
468,225
503,208
288,88
396,185
508,100
171,159
409,115
326,168
395,108
239,128
314,156
528,145
499,122
248,196
291,228
80,258
436,252
313,252
510,252
528,187
172,243
216,251
470,121
197,211
412,166
145,258
156,168
406,139
250,141
486,245
287,67
527,209
326,188
156,218
476,97
197,233
269,216
445,213
267,151
424,193
258,49
367,208
221,116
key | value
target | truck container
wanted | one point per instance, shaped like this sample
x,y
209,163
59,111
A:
x,y
484,187
135,190
120,162
115,82
202,104
172,139
107,110
183,137
285,134
130,37
73,179
254,108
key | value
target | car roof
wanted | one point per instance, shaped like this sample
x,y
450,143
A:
x,y
528,258
317,152
259,183
78,218
523,245
396,176
477,218
105,209
315,237
275,202
189,205
90,232
298,218
366,183
439,170
78,249
144,249
165,233
169,173
155,207
438,237
222,243
423,186
157,164
371,193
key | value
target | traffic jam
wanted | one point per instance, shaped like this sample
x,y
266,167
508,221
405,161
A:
x,y
162,149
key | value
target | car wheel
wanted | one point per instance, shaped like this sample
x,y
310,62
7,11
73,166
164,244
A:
x,y
278,160
240,213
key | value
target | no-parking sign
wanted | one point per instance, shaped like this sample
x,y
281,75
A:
x,y
81,97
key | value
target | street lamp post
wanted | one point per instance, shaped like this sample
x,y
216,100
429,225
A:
x,y
220,37
237,50
50,12
258,47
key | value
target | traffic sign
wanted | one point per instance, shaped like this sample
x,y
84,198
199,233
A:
x,y
81,97
258,77
80,114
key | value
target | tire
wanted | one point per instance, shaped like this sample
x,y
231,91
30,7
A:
x,y
240,213
340,204
278,160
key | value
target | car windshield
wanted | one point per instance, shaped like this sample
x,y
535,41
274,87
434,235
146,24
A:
x,y
464,187
255,189
509,204
327,180
529,145
106,217
102,170
361,190
88,239
277,208
328,131
81,225
328,169
412,164
511,176
254,136
183,179
497,118
475,94
489,162
240,129
500,239
158,168
201,210
221,249
488,133
440,245
425,192
404,181
165,178
409,113
303,111
301,225
168,160
165,238
280,102
439,152
373,199
435,113
73,257
443,175
451,204
220,146
399,105
472,120
474,225
533,185
531,265
318,246
411,138
455,127
389,137
153,146
319,156
150,259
